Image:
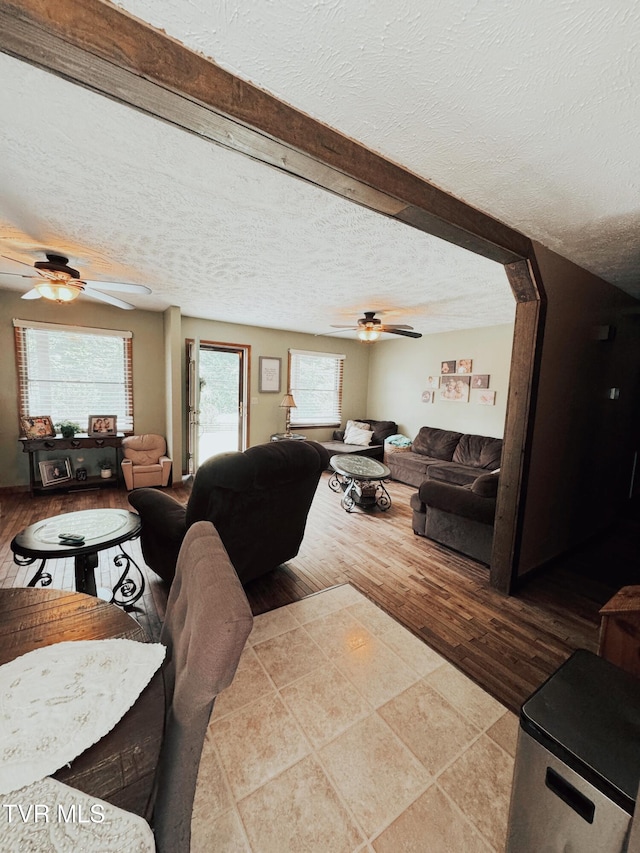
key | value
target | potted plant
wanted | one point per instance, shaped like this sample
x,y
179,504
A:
x,y
106,468
68,428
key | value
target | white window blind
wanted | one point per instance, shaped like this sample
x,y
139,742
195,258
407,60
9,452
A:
x,y
315,381
71,372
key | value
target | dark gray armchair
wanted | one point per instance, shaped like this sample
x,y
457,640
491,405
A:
x,y
258,501
460,517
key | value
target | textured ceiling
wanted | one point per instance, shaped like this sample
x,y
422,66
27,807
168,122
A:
x,y
527,111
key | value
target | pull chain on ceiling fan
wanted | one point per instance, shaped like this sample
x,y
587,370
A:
x,y
58,282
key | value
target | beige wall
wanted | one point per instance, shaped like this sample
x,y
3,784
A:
x,y
583,442
399,370
148,368
391,389
265,416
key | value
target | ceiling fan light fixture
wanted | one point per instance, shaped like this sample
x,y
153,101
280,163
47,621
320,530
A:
x,y
59,290
368,335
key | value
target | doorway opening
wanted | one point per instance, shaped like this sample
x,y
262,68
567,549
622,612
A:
x,y
216,393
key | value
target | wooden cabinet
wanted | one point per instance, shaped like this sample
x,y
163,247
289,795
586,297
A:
x,y
58,445
620,630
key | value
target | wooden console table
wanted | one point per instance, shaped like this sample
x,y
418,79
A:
x,y
57,444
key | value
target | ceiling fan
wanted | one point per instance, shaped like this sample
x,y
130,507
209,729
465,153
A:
x,y
57,281
370,328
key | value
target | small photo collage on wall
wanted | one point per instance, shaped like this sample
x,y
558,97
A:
x,y
457,383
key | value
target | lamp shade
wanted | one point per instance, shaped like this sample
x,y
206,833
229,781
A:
x,y
288,402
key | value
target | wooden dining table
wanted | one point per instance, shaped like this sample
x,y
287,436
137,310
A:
x,y
120,767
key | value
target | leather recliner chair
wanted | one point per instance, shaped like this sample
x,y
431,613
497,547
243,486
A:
x,y
145,461
258,502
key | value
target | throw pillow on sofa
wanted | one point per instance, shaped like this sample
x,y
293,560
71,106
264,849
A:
x,y
358,432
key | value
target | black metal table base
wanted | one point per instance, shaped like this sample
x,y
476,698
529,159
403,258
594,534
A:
x,y
126,592
362,493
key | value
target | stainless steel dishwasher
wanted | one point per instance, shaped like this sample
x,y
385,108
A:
x,y
577,763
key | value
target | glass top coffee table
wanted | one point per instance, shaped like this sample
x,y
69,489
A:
x,y
101,529
360,479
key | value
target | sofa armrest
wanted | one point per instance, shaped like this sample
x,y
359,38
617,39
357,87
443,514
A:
x,y
458,500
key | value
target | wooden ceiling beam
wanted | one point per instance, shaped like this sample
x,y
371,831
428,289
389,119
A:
x,y
100,47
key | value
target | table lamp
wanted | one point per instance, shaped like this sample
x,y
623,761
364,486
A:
x,y
288,403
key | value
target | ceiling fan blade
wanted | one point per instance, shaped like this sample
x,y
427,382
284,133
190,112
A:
x,y
403,332
15,261
34,272
19,274
31,294
104,297
118,286
397,326
333,326
338,331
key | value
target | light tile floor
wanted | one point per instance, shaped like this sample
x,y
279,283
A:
x,y
343,732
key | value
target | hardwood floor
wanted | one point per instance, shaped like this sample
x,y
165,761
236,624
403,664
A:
x,y
508,645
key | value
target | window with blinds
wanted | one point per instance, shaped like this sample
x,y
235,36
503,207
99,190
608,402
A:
x,y
71,372
315,381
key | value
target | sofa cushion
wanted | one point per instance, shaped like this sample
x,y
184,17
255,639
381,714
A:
x,y
479,450
358,433
382,430
409,467
436,443
453,472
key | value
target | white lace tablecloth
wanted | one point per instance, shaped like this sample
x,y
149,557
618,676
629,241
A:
x,y
55,702
48,816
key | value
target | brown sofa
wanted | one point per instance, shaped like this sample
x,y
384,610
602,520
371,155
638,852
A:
x,y
458,516
381,430
452,457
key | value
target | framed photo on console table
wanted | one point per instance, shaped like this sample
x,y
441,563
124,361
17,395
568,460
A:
x,y
55,471
37,427
102,425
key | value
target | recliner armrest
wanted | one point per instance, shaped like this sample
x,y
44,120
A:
x,y
165,463
127,473
458,500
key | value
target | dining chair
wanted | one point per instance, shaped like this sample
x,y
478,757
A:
x,y
208,620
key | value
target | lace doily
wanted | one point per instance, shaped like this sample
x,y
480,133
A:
x,y
57,701
48,816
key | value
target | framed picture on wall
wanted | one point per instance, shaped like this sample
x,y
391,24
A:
x,y
455,389
269,379
464,365
480,380
447,367
433,382
484,397
428,396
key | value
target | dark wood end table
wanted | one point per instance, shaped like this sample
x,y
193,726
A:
x,y
102,529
